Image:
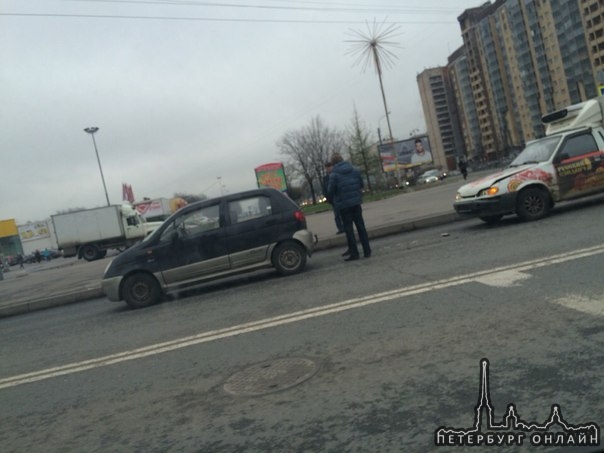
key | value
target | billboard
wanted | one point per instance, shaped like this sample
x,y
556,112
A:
x,y
271,175
405,153
34,230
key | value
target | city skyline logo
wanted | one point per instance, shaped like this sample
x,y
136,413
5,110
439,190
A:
x,y
555,431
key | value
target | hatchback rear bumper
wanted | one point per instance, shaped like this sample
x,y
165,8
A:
x,y
306,238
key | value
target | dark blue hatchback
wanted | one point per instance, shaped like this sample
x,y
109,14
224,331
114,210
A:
x,y
211,239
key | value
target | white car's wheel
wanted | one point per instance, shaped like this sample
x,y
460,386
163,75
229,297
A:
x,y
533,204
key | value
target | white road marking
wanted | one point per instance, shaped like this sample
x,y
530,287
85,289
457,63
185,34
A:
x,y
504,279
593,307
241,329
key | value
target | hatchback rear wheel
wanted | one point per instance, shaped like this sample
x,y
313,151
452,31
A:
x,y
289,258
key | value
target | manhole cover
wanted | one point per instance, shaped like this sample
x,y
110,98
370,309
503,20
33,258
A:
x,y
271,376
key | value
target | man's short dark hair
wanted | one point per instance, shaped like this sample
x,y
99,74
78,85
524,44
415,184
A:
x,y
418,140
336,158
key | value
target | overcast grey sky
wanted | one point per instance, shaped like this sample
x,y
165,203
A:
x,y
203,90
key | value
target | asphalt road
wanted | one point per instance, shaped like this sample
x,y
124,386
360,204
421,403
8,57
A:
x,y
64,281
373,355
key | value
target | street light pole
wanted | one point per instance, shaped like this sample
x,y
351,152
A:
x,y
380,125
390,138
92,131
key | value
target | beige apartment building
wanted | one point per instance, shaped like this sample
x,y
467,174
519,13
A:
x,y
592,14
441,117
479,80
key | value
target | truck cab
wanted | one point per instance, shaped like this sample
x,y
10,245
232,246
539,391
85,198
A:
x,y
567,163
135,225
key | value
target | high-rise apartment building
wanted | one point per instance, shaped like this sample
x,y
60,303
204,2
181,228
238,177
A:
x,y
522,59
470,139
440,113
475,30
592,15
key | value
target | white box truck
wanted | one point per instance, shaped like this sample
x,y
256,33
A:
x,y
91,232
156,209
159,208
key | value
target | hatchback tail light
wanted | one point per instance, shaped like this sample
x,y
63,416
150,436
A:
x,y
299,216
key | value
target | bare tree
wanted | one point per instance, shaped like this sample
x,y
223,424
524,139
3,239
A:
x,y
295,184
308,149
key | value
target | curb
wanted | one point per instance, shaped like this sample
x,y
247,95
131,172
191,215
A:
x,y
323,244
392,229
50,302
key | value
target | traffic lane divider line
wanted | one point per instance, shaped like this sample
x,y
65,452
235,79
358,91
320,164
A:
x,y
282,320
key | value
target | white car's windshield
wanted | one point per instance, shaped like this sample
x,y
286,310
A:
x,y
537,151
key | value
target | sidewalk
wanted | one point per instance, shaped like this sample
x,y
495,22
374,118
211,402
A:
x,y
68,280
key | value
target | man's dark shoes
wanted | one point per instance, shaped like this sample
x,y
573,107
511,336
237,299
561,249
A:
x,y
346,253
340,232
352,258
367,254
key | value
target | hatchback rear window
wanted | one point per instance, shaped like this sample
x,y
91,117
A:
x,y
250,208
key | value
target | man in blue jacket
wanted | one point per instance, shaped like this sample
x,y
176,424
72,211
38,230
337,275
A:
x,y
345,189
336,214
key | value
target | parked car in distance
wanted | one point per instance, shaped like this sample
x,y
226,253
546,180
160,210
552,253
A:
x,y
431,176
29,258
48,254
211,239
12,260
45,255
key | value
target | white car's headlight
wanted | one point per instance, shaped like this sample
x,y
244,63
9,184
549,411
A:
x,y
489,192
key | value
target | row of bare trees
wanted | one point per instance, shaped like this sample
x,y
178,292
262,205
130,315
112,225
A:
x,y
307,149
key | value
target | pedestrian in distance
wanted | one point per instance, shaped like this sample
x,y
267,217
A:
x,y
463,168
20,261
336,213
345,189
38,256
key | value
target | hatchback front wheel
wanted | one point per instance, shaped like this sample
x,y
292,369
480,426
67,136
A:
x,y
141,290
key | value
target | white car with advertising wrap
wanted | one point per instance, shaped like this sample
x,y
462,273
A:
x,y
567,163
